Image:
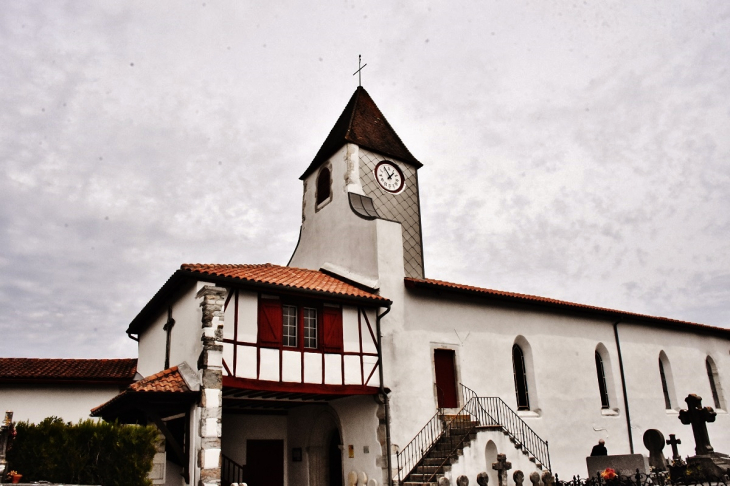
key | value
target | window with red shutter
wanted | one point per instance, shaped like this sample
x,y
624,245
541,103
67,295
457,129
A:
x,y
332,328
270,322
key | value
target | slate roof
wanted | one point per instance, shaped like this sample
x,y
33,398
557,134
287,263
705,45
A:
x,y
42,370
362,123
286,277
433,284
167,381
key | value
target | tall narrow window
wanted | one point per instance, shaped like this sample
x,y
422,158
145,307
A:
x,y
310,328
323,185
290,326
665,388
714,383
602,388
518,366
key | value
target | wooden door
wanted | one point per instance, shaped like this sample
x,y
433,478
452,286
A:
x,y
265,462
444,361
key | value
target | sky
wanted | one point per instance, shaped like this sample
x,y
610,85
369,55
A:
x,y
572,150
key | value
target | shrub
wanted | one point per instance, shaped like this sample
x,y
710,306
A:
x,y
89,452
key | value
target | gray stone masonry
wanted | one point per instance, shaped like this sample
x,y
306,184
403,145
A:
x,y
210,408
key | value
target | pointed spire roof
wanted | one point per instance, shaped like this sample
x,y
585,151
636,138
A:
x,y
363,123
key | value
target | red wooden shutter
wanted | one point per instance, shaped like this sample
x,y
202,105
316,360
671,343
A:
x,y
332,329
270,322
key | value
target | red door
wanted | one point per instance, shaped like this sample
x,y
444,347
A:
x,y
265,462
445,378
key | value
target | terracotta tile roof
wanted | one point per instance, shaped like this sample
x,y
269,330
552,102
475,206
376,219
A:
x,y
362,123
41,370
427,283
167,381
286,277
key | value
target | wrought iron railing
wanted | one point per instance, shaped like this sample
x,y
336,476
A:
x,y
231,471
494,411
476,411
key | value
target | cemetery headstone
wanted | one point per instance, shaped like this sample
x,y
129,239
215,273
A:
x,y
535,478
518,477
462,481
673,441
444,481
483,478
547,478
654,441
623,464
697,416
502,466
362,478
352,478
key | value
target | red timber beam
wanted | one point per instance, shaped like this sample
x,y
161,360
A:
x,y
310,388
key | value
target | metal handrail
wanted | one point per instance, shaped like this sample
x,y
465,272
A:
x,y
494,411
484,411
231,471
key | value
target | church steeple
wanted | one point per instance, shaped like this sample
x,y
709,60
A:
x,y
363,124
360,184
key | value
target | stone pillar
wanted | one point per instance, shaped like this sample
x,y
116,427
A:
x,y
210,408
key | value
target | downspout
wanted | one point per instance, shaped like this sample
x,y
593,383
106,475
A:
x,y
385,396
623,385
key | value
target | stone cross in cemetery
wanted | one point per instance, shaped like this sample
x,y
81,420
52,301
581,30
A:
x,y
502,466
673,441
698,417
654,441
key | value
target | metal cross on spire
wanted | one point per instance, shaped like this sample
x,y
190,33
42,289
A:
x,y
359,69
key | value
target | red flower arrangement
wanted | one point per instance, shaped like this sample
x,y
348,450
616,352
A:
x,y
609,474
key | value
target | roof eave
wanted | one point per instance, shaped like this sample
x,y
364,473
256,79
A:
x,y
611,314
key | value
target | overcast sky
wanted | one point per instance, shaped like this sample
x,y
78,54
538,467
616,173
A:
x,y
573,150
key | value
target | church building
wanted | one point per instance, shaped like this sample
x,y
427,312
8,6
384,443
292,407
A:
x,y
349,363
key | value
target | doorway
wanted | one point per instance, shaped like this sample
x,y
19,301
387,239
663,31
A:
x,y
334,459
444,361
265,462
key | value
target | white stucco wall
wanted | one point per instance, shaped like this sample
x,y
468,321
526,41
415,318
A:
x,y
72,403
185,344
565,401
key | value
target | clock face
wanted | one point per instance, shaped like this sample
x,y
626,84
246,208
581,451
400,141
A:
x,y
389,176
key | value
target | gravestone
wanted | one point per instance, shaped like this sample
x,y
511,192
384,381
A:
x,y
711,463
462,481
483,478
352,478
654,441
547,478
518,477
623,464
502,466
362,478
535,478
444,481
673,441
698,417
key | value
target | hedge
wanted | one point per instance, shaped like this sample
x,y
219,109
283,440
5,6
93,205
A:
x,y
89,452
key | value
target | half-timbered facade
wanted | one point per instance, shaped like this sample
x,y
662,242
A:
x,y
350,364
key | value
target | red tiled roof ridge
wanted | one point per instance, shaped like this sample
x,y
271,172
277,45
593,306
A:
x,y
547,300
68,369
283,276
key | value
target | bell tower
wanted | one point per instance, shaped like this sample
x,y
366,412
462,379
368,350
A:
x,y
362,173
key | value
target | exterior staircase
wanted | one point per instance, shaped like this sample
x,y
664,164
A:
x,y
442,440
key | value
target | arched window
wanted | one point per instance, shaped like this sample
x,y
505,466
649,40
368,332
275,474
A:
x,y
323,185
602,388
665,374
665,388
520,373
714,383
